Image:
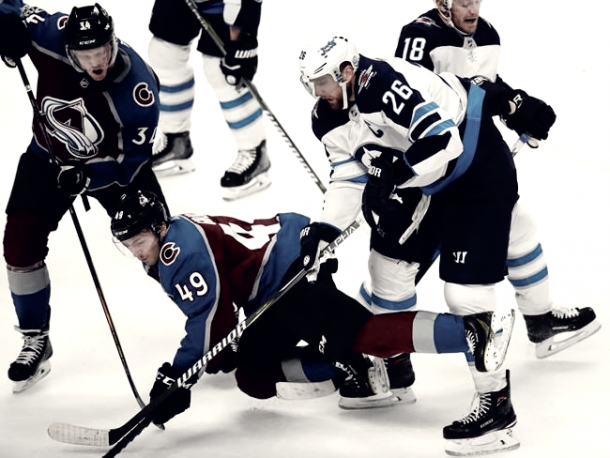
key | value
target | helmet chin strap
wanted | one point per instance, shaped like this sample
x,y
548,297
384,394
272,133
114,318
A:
x,y
345,97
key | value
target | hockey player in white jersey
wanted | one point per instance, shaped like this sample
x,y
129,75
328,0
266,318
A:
x,y
174,27
454,38
422,155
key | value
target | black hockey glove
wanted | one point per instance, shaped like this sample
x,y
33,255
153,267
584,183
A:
x,y
72,178
15,40
377,199
241,60
176,403
528,114
314,239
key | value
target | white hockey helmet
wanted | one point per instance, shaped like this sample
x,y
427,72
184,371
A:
x,y
318,60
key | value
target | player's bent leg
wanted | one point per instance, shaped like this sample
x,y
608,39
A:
x,y
552,329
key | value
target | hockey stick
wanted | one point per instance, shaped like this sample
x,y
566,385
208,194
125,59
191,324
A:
x,y
126,433
38,116
250,85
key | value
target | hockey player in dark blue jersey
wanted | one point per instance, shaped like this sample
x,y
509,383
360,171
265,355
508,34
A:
x,y
174,27
454,38
100,107
208,265
421,155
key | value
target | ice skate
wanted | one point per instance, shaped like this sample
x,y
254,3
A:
x,y
366,386
32,364
488,428
488,335
560,329
172,154
248,174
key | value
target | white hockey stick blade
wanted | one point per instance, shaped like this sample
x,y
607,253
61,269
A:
x,y
296,391
79,435
493,442
502,328
562,341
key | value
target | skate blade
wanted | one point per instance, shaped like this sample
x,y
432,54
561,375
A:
x,y
174,167
389,399
256,184
495,441
296,391
552,346
502,327
42,372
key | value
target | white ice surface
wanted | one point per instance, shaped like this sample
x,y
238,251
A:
x,y
554,51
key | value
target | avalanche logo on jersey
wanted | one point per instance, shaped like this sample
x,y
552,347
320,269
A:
x,y
74,126
169,253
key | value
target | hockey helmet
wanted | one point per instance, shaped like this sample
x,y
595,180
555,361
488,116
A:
x,y
89,27
138,212
328,58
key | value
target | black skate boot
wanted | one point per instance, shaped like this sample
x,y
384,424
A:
x,y
367,383
32,364
402,377
492,416
560,328
248,174
173,154
488,335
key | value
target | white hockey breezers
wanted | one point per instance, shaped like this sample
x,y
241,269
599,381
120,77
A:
x,y
493,442
561,341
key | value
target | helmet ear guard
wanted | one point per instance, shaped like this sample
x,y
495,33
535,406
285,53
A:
x,y
89,27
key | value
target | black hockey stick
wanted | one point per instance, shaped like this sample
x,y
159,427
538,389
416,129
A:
x,y
38,116
250,85
126,433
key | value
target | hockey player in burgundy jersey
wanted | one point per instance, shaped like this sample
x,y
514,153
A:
x,y
100,108
208,265
454,38
421,155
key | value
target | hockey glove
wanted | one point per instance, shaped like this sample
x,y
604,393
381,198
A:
x,y
314,238
73,179
175,404
378,197
528,114
15,40
241,59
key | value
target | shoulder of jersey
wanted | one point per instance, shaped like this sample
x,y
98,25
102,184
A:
x,y
324,118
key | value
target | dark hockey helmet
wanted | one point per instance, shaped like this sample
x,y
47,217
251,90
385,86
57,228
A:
x,y
137,212
89,27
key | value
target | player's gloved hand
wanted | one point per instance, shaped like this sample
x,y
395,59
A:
x,y
528,114
241,60
378,197
15,40
314,238
72,178
178,401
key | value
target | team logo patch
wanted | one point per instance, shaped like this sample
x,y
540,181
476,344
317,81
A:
x,y
365,79
426,21
142,95
73,125
169,253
